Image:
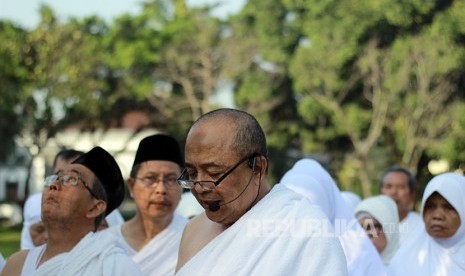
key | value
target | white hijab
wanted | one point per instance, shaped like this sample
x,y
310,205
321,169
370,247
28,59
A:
x,y
351,199
384,210
32,215
310,179
114,218
424,255
2,262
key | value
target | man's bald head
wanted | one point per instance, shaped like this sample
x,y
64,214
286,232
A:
x,y
248,135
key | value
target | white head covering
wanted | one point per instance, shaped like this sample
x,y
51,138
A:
x,y
351,199
424,255
310,179
32,214
384,210
2,262
114,218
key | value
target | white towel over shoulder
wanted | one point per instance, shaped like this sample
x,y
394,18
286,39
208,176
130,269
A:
x,y
283,234
160,255
95,254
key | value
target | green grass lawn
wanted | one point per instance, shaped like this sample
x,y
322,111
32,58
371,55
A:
x,y
9,240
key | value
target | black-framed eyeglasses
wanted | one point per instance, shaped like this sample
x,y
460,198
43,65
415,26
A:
x,y
209,185
68,179
152,181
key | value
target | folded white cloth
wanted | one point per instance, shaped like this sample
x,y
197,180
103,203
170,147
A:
x,y
310,179
160,255
409,225
96,254
283,234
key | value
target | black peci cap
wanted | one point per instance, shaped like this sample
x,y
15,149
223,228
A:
x,y
104,166
159,147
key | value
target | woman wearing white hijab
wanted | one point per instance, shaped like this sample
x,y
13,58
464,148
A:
x,y
2,262
378,215
351,199
438,248
310,179
33,233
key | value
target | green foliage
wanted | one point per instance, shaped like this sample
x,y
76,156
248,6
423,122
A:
x,y
361,83
10,240
14,69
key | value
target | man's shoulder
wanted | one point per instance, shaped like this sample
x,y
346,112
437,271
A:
x,y
201,230
201,224
15,263
198,233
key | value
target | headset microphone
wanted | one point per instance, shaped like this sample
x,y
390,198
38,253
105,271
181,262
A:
x,y
215,206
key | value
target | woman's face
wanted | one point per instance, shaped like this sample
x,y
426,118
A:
x,y
440,217
375,232
39,234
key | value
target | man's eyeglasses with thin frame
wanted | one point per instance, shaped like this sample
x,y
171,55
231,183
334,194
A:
x,y
69,179
152,181
209,185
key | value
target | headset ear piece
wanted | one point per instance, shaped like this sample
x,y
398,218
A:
x,y
253,163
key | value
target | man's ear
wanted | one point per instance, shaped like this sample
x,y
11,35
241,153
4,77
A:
x,y
131,183
260,165
97,209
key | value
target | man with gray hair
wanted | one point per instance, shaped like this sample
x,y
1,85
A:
x,y
74,202
248,228
153,235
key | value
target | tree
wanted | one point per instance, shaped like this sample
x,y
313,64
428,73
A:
x,y
190,71
353,69
424,80
14,70
260,43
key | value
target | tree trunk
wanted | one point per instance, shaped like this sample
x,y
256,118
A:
x,y
363,176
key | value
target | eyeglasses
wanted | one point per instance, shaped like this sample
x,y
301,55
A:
x,y
372,228
152,181
69,179
208,185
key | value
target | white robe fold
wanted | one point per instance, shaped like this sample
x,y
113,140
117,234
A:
x,y
283,234
160,255
96,254
409,225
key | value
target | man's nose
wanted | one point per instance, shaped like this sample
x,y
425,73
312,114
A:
x,y
54,185
160,187
393,192
200,189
